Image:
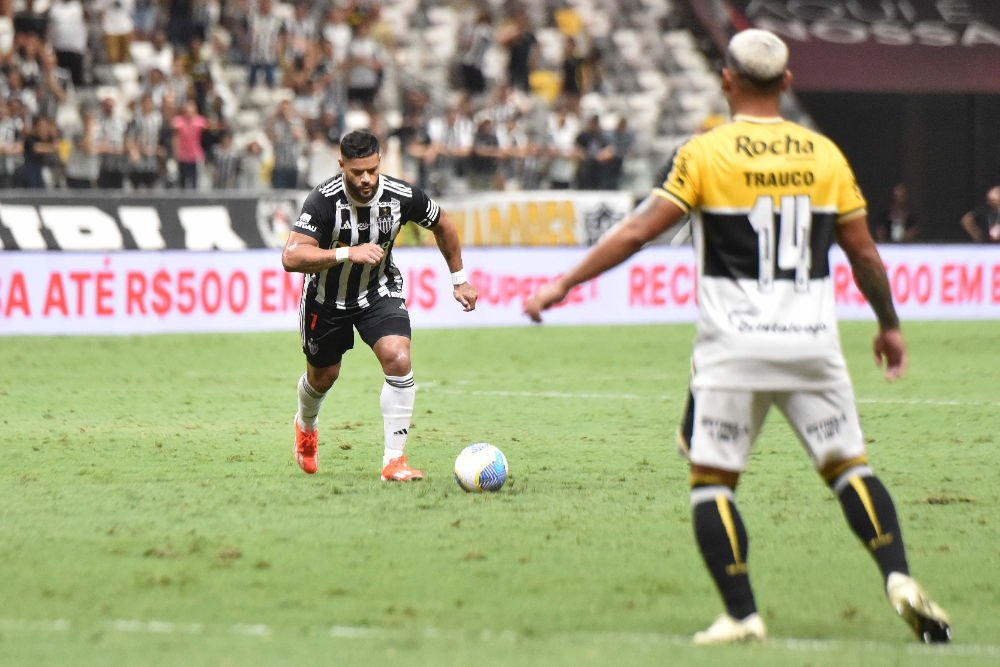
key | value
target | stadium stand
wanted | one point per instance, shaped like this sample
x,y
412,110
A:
x,y
247,94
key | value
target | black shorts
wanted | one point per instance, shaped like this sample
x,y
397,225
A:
x,y
328,333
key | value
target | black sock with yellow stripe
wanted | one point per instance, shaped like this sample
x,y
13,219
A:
x,y
872,515
723,542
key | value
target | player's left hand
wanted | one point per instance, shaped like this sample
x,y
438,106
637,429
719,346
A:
x,y
547,296
466,295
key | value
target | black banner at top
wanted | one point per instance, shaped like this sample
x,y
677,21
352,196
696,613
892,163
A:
x,y
106,221
877,45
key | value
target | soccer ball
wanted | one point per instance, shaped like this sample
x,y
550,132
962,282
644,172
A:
x,y
481,467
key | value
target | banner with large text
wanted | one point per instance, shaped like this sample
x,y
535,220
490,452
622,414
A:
x,y
176,291
876,45
108,221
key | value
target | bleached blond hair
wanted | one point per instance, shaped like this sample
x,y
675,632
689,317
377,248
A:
x,y
759,56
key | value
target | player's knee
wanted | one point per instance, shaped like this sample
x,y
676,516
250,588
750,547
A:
x,y
321,379
836,473
396,361
708,476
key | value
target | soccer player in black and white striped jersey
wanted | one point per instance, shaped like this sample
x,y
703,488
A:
x,y
343,242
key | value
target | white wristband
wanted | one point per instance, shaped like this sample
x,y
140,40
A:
x,y
458,277
342,254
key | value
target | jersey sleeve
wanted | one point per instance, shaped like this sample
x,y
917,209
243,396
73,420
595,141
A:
x,y
422,210
851,203
313,220
682,184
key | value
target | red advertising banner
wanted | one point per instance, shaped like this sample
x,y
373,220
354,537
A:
x,y
178,291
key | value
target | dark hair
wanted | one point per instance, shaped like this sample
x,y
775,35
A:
x,y
358,144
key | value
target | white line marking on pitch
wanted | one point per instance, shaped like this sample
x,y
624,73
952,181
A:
x,y
666,397
635,638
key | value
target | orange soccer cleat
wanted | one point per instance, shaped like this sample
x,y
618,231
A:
x,y
398,471
306,445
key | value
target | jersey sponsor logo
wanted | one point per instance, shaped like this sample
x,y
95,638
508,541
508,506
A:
x,y
301,225
755,147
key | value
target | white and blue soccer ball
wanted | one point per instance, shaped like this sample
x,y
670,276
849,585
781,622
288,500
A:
x,y
481,467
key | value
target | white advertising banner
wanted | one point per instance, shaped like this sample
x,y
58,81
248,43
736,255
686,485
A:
x,y
180,291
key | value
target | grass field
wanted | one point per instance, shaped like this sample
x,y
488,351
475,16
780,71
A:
x,y
151,511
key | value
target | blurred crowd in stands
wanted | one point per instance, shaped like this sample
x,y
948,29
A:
x,y
246,94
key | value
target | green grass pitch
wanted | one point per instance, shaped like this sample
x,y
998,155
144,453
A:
x,y
151,512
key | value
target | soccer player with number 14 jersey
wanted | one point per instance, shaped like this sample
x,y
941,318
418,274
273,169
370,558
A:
x,y
769,198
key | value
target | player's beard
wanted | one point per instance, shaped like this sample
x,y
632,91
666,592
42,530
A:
x,y
355,191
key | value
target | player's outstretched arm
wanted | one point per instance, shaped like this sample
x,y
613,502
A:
x,y
651,218
871,278
302,254
446,237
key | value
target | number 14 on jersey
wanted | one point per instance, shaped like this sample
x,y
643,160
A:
x,y
794,250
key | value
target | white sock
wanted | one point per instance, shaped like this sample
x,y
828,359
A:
x,y
310,401
398,396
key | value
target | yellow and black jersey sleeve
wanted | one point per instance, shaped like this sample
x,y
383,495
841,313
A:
x,y
683,184
850,202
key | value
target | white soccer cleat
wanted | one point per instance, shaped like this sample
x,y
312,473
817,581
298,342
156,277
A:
x,y
728,630
929,622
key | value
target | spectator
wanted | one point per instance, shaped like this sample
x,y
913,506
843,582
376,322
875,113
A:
x,y
451,143
68,34
84,164
196,69
332,126
11,146
146,18
337,31
161,57
217,122
52,86
522,47
622,146
562,141
28,21
226,163
117,27
157,88
178,85
188,128
286,135
485,157
142,141
594,151
110,147
477,44
572,74
40,146
266,33
251,165
364,68
300,31
513,142
898,224
324,154
180,25
17,91
983,223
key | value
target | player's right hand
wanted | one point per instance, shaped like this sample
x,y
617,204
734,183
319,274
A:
x,y
547,296
368,253
889,344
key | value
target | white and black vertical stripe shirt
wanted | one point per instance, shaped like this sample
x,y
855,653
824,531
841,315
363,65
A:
x,y
335,219
265,29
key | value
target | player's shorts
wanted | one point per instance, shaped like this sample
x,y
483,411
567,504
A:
x,y
327,334
720,425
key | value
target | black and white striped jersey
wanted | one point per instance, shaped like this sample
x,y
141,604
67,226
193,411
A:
x,y
331,216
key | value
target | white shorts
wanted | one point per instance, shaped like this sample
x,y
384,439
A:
x,y
720,425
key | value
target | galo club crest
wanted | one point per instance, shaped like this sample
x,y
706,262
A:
x,y
274,221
